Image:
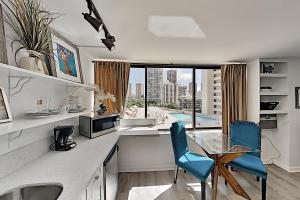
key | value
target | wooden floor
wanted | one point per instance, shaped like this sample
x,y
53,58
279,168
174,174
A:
x,y
281,185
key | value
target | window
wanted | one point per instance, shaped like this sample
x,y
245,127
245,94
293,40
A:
x,y
135,101
168,95
208,98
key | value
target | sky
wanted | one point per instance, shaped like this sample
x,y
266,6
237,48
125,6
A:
x,y
184,77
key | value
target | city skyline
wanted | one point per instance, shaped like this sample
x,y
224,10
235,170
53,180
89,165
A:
x,y
184,77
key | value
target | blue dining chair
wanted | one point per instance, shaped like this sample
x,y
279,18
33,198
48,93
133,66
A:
x,y
197,165
248,134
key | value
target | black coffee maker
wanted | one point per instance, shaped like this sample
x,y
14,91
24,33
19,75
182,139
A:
x,y
63,140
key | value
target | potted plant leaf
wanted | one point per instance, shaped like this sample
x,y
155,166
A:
x,y
30,23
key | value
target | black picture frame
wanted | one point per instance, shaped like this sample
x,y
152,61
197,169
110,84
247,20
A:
x,y
297,97
53,63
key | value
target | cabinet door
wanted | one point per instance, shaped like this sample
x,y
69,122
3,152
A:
x,y
89,190
83,196
96,187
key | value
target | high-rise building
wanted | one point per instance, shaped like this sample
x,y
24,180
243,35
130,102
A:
x,y
154,85
182,89
211,92
217,92
172,76
170,93
191,88
129,91
186,103
139,91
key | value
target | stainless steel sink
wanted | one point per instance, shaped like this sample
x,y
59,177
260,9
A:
x,y
36,192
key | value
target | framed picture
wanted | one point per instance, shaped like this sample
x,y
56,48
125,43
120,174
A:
x,y
297,97
3,51
66,59
5,114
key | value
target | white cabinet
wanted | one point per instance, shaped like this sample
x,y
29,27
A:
x,y
94,188
83,195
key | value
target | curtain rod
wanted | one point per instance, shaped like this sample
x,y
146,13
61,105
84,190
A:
x,y
167,63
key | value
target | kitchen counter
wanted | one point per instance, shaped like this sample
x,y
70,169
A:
x,y
138,131
72,169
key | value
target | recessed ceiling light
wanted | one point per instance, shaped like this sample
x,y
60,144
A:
x,y
175,27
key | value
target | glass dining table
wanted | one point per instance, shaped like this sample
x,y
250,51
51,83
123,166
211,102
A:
x,y
222,150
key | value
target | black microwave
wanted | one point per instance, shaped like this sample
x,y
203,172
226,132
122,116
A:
x,y
94,125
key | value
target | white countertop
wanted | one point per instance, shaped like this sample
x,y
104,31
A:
x,y
138,131
72,169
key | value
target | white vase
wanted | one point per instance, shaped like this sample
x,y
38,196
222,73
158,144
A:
x,y
33,63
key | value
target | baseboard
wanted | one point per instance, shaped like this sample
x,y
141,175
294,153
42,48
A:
x,y
144,169
286,168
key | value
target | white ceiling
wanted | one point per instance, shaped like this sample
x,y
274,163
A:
x,y
230,30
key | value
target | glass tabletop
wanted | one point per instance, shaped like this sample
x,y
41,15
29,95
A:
x,y
215,142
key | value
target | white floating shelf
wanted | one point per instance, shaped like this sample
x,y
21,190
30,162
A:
x,y
274,93
266,112
16,71
273,75
23,123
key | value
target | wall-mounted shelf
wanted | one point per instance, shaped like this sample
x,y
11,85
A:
x,y
273,75
16,71
269,112
274,93
23,123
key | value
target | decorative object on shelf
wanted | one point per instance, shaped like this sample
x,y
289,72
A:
x,y
266,89
268,121
42,114
34,62
297,97
66,58
268,68
75,104
98,24
101,109
5,114
99,97
268,105
30,22
3,51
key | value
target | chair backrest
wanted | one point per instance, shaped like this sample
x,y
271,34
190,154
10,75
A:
x,y
179,142
247,134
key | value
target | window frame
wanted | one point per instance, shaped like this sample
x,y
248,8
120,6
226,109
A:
x,y
176,66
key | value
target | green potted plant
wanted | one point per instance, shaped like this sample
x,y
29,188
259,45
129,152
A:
x,y
30,23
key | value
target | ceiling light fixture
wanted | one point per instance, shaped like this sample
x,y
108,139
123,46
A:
x,y
109,42
98,24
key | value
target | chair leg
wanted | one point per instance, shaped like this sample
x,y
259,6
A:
x,y
264,188
176,174
225,179
257,178
212,177
203,190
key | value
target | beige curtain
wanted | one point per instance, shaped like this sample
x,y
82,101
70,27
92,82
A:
x,y
113,77
234,94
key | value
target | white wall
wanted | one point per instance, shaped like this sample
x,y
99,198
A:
x,y
294,115
35,142
253,88
279,146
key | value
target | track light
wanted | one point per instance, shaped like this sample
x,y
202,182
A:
x,y
109,42
96,23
